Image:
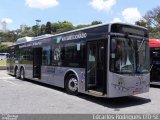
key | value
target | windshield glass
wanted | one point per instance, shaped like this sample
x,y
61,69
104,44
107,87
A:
x,y
125,56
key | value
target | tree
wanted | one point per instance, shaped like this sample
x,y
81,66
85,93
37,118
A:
x,y
59,27
152,22
8,37
35,30
81,26
141,23
65,26
43,27
55,27
96,22
28,31
3,48
153,17
48,28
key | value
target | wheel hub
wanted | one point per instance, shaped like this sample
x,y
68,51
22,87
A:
x,y
73,84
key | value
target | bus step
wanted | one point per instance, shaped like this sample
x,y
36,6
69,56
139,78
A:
x,y
97,93
36,78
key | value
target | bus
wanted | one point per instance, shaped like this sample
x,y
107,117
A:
x,y
106,60
154,45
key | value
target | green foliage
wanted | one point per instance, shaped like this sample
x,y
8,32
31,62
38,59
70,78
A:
x,y
81,26
141,23
7,36
3,48
62,27
43,27
153,17
152,22
154,32
48,27
27,32
35,30
2,62
96,22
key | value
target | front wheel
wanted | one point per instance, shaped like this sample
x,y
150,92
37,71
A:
x,y
72,85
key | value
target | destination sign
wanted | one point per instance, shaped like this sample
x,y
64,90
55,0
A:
x,y
74,37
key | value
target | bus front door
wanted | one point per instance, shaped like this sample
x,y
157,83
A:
x,y
96,67
37,62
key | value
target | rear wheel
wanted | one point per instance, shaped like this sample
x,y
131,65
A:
x,y
16,73
22,74
72,85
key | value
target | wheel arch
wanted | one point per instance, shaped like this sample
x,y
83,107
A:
x,y
22,67
70,72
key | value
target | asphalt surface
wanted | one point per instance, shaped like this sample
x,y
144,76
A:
x,y
26,97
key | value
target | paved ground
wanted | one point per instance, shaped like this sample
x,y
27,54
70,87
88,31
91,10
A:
x,y
17,97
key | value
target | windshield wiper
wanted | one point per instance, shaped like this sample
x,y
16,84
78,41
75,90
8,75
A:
x,y
141,45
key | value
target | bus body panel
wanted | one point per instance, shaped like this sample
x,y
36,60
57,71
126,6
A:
x,y
28,70
125,85
54,75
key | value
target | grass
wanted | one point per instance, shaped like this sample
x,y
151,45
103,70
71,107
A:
x,y
8,43
2,62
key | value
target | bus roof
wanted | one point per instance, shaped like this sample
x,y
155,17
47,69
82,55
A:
x,y
23,40
94,26
154,42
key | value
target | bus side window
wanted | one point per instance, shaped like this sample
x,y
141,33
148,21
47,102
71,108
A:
x,y
72,54
56,54
46,55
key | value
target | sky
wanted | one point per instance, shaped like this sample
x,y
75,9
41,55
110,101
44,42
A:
x,y
18,12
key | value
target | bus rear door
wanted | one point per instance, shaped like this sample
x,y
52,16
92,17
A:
x,y
37,62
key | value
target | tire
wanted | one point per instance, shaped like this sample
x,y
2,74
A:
x,y
22,74
16,73
71,85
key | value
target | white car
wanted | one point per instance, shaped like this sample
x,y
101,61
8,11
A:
x,y
3,56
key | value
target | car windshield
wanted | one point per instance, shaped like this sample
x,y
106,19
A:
x,y
129,55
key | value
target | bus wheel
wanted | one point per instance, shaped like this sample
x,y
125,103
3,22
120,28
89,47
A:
x,y
16,73
71,85
22,74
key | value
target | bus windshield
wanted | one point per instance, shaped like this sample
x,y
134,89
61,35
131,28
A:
x,y
126,57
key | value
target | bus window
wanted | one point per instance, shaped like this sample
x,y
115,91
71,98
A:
x,y
73,54
56,53
46,55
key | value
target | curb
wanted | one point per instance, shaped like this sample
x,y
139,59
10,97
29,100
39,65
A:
x,y
2,67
